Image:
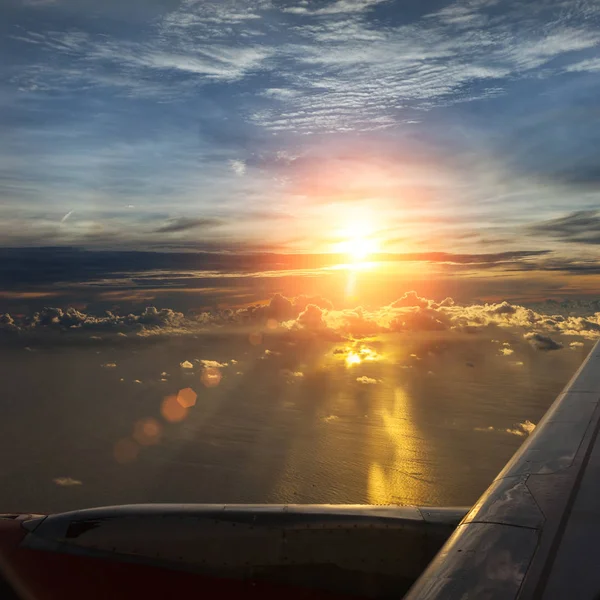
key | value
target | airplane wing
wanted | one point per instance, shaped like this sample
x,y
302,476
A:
x,y
237,551
535,532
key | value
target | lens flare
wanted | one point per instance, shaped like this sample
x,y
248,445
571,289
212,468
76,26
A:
x,y
147,432
211,377
172,410
187,397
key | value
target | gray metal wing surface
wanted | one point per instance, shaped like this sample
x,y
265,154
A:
x,y
535,532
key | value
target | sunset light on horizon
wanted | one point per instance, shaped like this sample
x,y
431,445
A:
x,y
366,129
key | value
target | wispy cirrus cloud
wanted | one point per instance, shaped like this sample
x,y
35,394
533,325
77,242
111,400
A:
x,y
333,8
343,70
122,63
40,2
591,65
362,75
206,88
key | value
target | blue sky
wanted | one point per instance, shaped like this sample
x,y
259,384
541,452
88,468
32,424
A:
x,y
466,126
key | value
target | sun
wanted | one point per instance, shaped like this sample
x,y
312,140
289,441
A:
x,y
353,359
359,242
360,248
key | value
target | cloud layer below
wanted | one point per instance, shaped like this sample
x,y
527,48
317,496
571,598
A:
x,y
316,318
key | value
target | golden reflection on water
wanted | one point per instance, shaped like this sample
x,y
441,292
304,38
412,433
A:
x,y
370,429
402,474
360,354
360,437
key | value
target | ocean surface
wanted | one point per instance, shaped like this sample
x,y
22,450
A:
x,y
410,419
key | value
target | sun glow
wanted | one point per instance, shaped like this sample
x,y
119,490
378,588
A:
x,y
358,241
353,359
359,355
359,248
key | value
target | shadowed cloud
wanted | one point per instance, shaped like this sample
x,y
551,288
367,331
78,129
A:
x,y
185,224
582,227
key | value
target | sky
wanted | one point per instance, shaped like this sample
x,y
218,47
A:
x,y
466,127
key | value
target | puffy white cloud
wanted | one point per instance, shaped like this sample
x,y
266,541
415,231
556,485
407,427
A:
x,y
7,323
301,302
520,429
588,327
420,319
212,364
291,375
238,167
366,380
503,309
149,320
410,299
307,317
164,317
279,308
66,481
357,322
527,426
414,313
444,303
312,317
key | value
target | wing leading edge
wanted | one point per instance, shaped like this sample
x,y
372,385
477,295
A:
x,y
535,531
